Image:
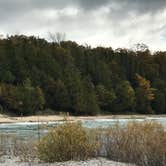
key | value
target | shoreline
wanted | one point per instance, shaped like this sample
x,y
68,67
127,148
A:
x,y
54,118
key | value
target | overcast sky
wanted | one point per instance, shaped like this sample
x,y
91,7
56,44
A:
x,y
115,23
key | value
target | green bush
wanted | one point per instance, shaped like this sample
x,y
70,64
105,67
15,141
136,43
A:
x,y
69,141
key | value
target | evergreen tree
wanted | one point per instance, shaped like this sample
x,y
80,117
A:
x,y
64,76
125,101
91,106
105,98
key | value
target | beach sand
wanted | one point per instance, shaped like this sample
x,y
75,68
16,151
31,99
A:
x,y
53,118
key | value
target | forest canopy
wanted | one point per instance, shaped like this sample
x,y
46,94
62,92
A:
x,y
37,75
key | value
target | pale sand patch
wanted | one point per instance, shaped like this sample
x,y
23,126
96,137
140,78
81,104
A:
x,y
53,118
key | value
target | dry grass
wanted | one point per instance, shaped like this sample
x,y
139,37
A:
x,y
26,151
69,141
141,143
4,140
14,147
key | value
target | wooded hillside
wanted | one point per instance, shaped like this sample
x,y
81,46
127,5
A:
x,y
39,75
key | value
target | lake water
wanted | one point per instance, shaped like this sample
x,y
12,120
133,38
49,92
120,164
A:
x,y
35,130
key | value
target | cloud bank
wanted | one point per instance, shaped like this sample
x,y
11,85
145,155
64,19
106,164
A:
x,y
115,23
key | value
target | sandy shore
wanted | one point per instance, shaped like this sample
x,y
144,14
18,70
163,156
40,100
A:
x,y
53,118
5,161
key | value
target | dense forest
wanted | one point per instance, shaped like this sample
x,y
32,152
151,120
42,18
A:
x,y
41,76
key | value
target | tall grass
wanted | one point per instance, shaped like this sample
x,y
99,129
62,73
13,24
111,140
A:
x,y
13,146
141,143
25,151
69,141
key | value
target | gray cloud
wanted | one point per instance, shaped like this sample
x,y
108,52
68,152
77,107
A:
x,y
99,22
143,6
11,8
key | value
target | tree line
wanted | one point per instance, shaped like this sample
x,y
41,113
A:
x,y
37,75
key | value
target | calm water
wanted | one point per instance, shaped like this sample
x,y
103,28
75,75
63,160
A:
x,y
35,130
